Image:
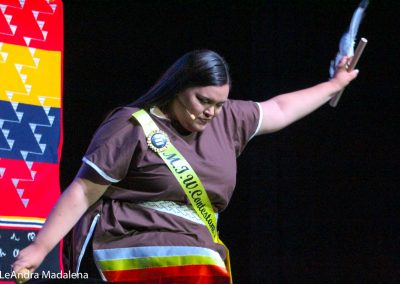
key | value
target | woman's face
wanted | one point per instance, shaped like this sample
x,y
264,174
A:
x,y
195,107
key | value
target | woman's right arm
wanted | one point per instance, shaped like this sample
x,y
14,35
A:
x,y
72,204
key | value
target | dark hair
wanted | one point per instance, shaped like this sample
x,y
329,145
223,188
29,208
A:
x,y
199,68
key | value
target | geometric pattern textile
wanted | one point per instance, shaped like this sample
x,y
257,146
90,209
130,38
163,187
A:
x,y
31,58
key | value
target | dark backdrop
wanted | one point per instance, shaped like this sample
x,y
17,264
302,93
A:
x,y
317,201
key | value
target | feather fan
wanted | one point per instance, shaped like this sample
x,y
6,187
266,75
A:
x,y
347,41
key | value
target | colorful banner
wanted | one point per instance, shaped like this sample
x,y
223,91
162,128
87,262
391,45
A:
x,y
31,57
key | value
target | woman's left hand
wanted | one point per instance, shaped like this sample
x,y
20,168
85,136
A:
x,y
342,75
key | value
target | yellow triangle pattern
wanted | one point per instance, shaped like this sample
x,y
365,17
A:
x,y
32,76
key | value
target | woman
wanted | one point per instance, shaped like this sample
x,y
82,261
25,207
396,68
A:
x,y
142,224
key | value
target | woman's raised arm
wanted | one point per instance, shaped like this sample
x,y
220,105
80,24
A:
x,y
282,110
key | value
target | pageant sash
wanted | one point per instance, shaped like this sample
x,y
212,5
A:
x,y
158,141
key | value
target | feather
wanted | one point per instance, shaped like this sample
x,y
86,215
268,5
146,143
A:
x,y
347,41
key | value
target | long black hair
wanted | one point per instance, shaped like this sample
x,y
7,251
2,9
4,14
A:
x,y
198,68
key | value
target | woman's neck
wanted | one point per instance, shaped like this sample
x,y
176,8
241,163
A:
x,y
163,113
180,129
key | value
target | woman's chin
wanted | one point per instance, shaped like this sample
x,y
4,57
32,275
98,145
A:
x,y
195,127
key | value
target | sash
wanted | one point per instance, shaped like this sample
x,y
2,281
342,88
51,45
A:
x,y
158,141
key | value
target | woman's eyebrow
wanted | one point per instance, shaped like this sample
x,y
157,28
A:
x,y
209,99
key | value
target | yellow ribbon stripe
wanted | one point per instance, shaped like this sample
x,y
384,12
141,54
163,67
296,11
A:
x,y
165,261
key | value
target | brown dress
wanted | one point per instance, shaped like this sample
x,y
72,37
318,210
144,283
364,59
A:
x,y
144,213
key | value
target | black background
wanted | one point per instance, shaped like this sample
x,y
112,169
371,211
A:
x,y
317,201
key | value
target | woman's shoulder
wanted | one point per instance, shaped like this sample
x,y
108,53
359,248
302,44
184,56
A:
x,y
119,121
236,106
122,112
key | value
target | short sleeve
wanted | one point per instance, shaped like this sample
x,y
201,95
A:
x,y
111,149
242,120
